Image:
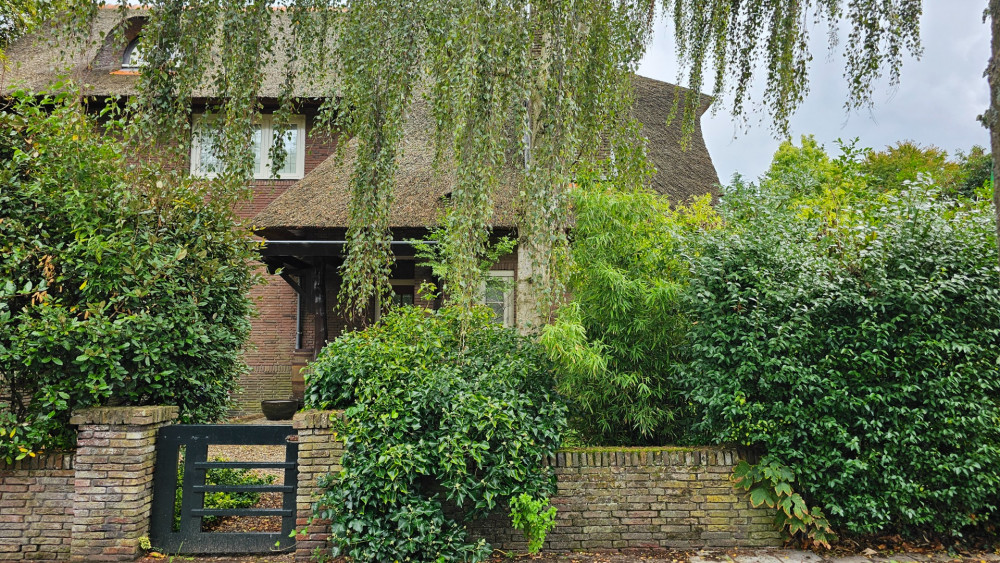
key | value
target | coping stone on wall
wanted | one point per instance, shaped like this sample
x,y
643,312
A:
x,y
315,419
125,416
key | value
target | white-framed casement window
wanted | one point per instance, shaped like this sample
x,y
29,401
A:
x,y
205,162
498,294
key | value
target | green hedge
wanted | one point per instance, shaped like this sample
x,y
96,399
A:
x,y
447,420
856,340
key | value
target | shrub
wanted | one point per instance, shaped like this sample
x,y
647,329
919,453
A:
x,y
620,341
770,484
533,517
119,285
444,426
858,346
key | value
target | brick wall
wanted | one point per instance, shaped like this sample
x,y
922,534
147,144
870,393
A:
x,y
36,508
92,505
113,481
272,334
95,505
608,498
621,498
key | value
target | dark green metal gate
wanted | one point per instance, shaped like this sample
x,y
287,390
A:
x,y
195,439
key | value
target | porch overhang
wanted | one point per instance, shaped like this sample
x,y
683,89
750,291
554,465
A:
x,y
302,264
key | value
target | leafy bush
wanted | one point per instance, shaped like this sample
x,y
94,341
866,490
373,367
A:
x,y
619,343
444,426
770,484
119,285
229,476
855,340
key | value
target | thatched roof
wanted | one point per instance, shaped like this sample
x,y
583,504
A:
x,y
680,174
321,199
94,60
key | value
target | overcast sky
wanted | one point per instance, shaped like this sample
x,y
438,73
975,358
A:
x,y
935,103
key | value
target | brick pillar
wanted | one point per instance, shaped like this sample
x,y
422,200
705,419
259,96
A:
x,y
319,454
113,486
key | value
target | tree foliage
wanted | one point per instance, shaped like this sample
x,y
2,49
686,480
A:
x,y
966,175
118,288
620,341
808,170
725,41
903,162
520,92
18,17
443,425
851,333
975,173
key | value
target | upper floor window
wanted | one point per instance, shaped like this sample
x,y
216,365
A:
x,y
204,157
132,58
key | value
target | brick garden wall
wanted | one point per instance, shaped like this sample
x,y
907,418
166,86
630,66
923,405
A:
x,y
36,508
623,498
319,454
608,499
92,505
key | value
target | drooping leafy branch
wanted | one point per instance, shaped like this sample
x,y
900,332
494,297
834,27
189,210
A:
x,y
521,93
18,17
730,42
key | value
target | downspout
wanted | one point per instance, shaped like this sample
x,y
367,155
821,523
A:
x,y
298,319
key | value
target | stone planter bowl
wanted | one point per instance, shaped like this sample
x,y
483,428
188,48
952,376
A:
x,y
279,409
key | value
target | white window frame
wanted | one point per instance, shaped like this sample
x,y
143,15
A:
x,y
508,296
267,124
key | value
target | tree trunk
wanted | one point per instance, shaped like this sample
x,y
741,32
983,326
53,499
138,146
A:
x,y
993,113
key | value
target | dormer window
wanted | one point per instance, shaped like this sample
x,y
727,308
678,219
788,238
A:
x,y
132,58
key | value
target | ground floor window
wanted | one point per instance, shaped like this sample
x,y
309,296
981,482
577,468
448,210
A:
x,y
402,293
498,294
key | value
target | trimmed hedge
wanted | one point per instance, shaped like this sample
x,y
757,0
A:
x,y
859,345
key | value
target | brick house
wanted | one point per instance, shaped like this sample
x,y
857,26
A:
x,y
302,209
